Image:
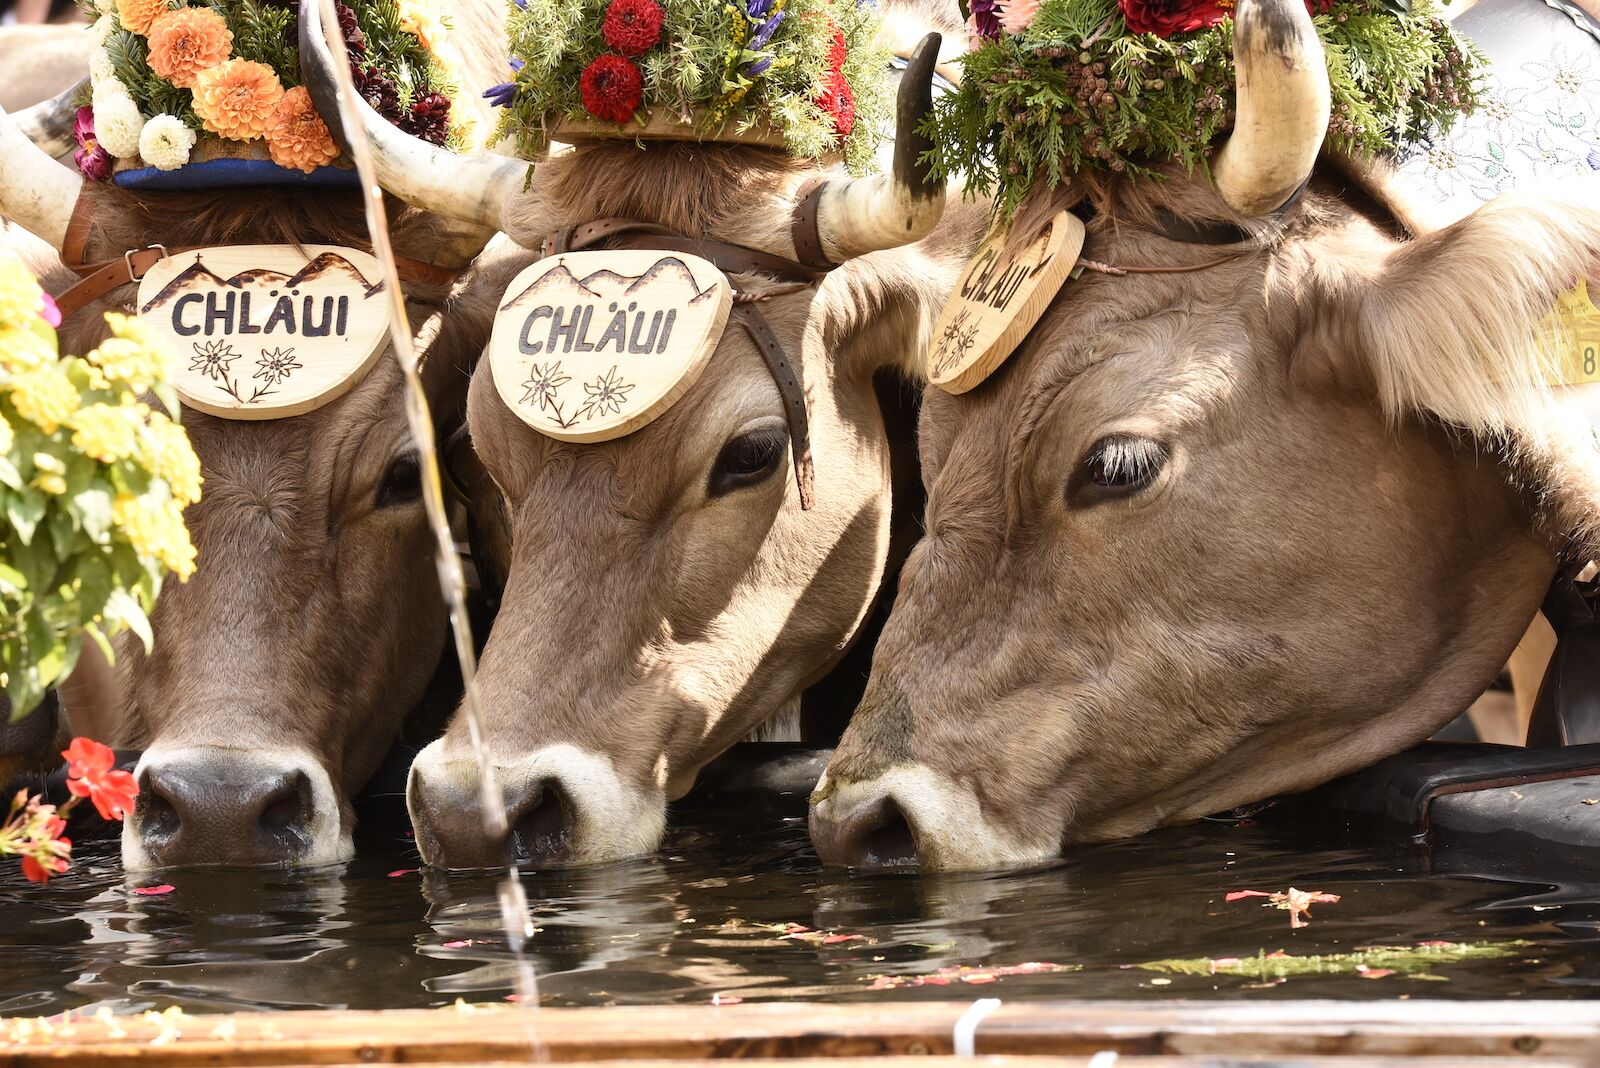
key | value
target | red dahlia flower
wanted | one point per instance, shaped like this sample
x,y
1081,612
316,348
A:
x,y
612,88
91,773
839,101
837,50
632,26
1167,17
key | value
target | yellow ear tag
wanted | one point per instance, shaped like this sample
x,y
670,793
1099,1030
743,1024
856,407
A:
x,y
1000,297
1575,330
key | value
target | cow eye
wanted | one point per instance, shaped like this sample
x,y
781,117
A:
x,y
747,459
402,482
1118,466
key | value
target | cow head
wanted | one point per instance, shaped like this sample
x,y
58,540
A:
x,y
1217,535
666,592
282,670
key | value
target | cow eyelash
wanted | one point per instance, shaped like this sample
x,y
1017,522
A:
x,y
1116,466
402,481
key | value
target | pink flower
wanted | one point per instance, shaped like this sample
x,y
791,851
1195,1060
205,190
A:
x,y
91,157
91,773
1016,15
48,310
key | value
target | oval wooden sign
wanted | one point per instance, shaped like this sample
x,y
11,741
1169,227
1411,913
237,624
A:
x,y
589,346
998,300
267,331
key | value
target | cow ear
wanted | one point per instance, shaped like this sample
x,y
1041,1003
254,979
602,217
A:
x,y
1453,327
879,310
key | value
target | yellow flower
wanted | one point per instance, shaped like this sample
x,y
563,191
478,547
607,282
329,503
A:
x,y
8,437
24,348
173,459
155,531
21,299
44,396
108,432
419,20
52,484
133,357
51,471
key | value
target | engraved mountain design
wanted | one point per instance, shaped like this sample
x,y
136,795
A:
x,y
198,276
559,284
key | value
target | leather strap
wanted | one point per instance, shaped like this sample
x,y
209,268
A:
x,y
804,229
99,279
794,397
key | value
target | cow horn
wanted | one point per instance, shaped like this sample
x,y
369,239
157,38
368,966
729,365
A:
x,y
48,123
862,215
35,190
1284,103
466,189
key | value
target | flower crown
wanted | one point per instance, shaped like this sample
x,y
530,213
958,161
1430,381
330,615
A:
x,y
803,75
180,82
1054,88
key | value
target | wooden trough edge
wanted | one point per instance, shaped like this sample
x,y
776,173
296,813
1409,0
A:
x,y
473,1034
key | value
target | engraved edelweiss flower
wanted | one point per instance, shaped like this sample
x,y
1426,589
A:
x,y
542,382
1573,73
211,358
607,394
956,339
275,365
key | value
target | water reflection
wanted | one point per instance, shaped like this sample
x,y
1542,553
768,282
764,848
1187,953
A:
x,y
743,910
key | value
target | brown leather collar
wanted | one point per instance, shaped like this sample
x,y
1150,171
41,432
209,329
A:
x,y
98,279
730,259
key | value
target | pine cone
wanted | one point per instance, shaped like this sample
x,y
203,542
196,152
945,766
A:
x,y
429,118
354,40
380,93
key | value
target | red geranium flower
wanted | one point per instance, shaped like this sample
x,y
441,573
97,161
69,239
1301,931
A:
x,y
91,773
1167,17
839,101
612,88
632,26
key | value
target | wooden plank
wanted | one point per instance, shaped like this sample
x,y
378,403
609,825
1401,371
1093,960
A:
x,y
467,1035
1077,1062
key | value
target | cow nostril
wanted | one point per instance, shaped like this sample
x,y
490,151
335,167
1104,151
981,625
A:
x,y
876,836
543,830
158,819
287,807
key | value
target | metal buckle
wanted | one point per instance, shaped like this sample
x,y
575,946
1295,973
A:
x,y
127,258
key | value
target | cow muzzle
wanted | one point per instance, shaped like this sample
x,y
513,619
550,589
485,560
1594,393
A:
x,y
207,806
913,817
563,806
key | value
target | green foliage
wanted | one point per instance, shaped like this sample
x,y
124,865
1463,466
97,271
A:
x,y
699,71
1077,92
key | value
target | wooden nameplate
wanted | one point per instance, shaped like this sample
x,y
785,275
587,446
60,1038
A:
x,y
267,331
998,300
589,346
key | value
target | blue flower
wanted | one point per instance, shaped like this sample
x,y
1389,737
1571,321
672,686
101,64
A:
x,y
765,31
759,67
501,95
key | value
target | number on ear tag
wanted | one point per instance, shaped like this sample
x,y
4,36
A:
x,y
1000,297
589,346
267,331
1575,330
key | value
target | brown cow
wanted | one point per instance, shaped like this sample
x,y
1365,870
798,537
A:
x,y
282,670
1217,535
666,593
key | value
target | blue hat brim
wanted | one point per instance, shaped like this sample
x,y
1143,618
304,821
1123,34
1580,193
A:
x,y
226,173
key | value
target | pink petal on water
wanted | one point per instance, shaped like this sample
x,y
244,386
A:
x,y
1373,973
403,871
458,943
835,939
154,891
1435,943
1238,895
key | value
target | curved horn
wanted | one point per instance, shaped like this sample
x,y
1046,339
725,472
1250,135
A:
x,y
855,217
48,123
467,189
35,190
1284,102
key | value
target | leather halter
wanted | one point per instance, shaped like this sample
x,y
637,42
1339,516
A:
x,y
98,279
730,259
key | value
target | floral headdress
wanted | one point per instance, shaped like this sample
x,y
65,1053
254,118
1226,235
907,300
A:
x,y
181,83
799,74
1054,88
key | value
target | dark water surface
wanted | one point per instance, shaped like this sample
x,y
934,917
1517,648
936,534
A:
x,y
705,918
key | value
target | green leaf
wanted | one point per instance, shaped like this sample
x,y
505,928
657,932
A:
x,y
93,631
123,608
9,475
94,509
24,510
13,583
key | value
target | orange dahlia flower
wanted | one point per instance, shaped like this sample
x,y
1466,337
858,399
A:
x,y
137,15
187,41
296,135
236,99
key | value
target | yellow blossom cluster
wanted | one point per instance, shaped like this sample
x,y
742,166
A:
x,y
88,469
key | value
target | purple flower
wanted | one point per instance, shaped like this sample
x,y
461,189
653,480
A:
x,y
984,20
1593,160
765,31
49,312
91,157
501,95
759,67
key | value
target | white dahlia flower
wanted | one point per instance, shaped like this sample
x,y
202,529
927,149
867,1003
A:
x,y
117,122
165,142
